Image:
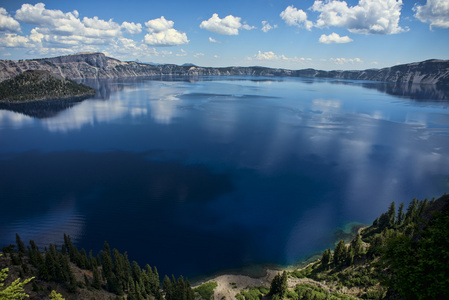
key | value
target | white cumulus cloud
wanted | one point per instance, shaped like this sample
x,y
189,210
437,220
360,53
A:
x,y
367,17
334,38
12,40
296,17
58,32
267,27
159,25
58,29
132,28
229,25
434,12
55,21
162,33
7,23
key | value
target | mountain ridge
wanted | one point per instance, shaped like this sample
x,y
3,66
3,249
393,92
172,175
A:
x,y
97,65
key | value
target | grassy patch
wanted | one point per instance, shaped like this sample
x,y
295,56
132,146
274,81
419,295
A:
x,y
206,290
254,293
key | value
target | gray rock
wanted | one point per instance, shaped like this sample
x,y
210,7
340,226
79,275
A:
x,y
97,66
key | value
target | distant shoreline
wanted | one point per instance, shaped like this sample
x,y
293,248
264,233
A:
x,y
98,65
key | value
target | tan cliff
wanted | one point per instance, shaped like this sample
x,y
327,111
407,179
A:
x,y
99,66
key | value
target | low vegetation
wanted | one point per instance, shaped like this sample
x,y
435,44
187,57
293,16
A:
x,y
206,290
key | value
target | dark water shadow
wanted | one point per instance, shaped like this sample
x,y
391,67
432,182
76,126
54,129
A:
x,y
42,109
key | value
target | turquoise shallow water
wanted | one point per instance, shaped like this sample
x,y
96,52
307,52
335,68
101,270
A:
x,y
201,176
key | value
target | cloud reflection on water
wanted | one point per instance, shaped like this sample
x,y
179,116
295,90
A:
x,y
300,161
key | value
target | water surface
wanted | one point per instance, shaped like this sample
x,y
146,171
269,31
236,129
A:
x,y
201,176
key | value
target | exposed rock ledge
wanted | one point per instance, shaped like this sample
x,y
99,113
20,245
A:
x,y
97,65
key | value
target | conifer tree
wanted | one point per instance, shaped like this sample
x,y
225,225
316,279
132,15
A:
x,y
340,253
350,256
326,258
410,215
401,215
96,280
357,245
136,271
391,214
83,260
168,288
279,285
20,245
92,261
107,265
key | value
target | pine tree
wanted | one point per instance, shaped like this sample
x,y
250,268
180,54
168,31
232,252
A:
x,y
107,265
83,260
350,256
279,285
20,245
391,214
410,215
120,269
340,253
190,293
326,258
168,288
401,215
96,280
357,245
92,261
136,271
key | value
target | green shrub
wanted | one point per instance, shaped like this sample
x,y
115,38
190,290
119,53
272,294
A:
x,y
206,290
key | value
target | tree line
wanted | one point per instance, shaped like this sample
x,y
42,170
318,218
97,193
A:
x,y
111,271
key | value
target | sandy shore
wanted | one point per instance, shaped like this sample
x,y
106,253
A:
x,y
230,285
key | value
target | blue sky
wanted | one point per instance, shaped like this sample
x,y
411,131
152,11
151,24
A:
x,y
328,34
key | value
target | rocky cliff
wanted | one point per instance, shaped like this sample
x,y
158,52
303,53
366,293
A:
x,y
97,65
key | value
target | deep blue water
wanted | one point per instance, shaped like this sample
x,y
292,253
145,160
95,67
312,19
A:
x,y
203,176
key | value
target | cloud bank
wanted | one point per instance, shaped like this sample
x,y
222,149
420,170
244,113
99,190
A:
x,y
367,17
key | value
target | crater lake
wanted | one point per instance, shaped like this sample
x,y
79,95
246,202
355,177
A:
x,y
204,175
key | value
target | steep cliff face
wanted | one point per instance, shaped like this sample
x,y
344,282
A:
x,y
97,65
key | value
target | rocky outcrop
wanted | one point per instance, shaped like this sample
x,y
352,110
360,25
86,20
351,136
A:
x,y
97,66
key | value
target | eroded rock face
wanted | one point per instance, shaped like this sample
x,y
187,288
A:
x,y
97,65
